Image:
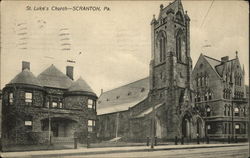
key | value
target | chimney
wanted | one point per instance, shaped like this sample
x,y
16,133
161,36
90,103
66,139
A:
x,y
101,91
69,72
224,59
25,65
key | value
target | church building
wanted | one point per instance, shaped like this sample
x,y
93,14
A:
x,y
168,103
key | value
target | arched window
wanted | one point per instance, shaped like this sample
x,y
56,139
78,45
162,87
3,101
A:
x,y
206,96
225,110
179,17
236,111
162,46
198,97
179,45
210,95
208,111
229,110
198,81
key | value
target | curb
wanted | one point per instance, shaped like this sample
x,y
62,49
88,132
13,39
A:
x,y
129,150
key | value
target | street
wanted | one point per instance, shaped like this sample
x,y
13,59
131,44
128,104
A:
x,y
219,152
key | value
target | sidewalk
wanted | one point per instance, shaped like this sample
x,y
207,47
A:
x,y
92,151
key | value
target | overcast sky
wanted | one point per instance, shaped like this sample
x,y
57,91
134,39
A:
x,y
115,44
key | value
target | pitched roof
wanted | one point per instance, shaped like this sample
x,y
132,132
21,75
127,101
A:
x,y
52,77
213,63
174,6
80,86
121,98
26,77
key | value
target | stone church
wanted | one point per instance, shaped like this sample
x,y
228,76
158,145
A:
x,y
167,104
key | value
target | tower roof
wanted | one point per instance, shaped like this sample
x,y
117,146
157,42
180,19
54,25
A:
x,y
26,77
80,86
53,77
173,7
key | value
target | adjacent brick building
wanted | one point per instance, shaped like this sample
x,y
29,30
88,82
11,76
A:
x,y
51,104
172,104
221,96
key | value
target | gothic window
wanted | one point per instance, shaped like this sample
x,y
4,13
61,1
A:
x,y
162,46
236,111
229,110
210,95
201,80
225,128
206,80
179,17
225,110
54,104
198,97
206,96
237,128
198,81
244,111
179,45
195,98
208,110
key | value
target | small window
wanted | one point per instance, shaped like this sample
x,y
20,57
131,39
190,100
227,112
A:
x,y
90,103
208,127
91,124
117,97
237,129
54,104
60,105
208,111
236,111
28,123
28,97
129,93
210,96
11,98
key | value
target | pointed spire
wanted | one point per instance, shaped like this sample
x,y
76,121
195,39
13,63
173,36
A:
x,y
153,20
161,6
236,53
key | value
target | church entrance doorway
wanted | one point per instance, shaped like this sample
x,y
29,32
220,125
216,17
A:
x,y
186,126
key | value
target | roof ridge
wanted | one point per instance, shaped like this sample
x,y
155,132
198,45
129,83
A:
x,y
212,58
126,84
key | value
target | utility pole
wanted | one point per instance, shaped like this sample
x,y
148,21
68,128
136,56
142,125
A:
x,y
49,124
153,126
117,125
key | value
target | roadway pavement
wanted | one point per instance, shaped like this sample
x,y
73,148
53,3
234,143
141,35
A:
x,y
138,150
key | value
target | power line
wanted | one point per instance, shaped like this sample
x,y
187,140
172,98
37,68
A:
x,y
207,13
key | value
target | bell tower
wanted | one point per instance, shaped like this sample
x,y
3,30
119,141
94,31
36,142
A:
x,y
171,65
